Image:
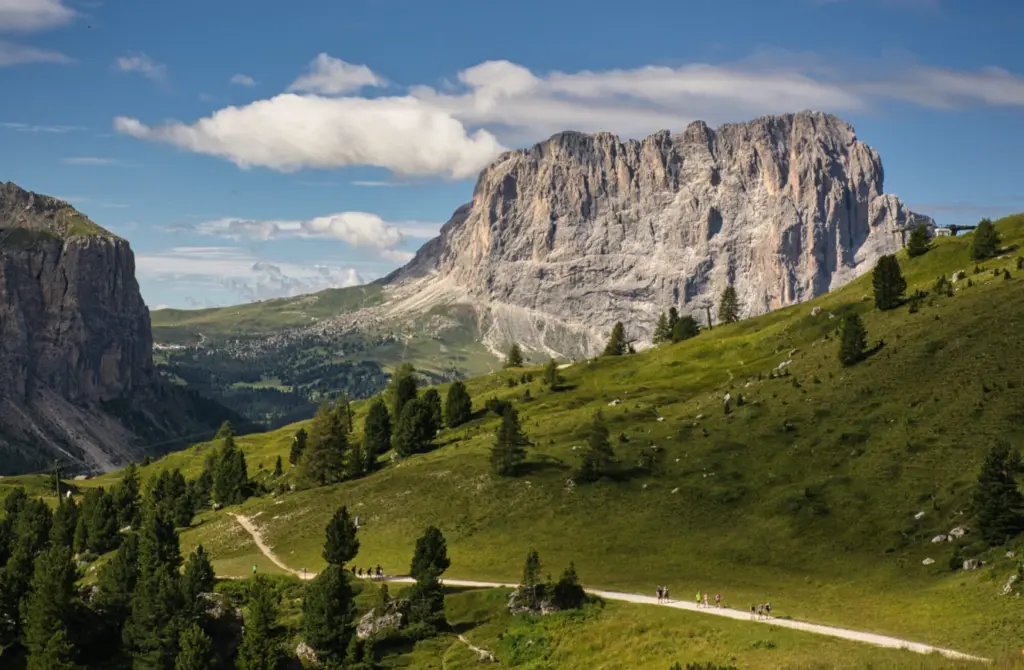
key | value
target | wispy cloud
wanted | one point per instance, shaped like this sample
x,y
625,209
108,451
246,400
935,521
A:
x,y
243,80
34,15
90,160
38,128
12,54
142,64
381,184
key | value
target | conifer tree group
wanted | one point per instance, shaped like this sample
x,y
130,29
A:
x,y
672,327
458,406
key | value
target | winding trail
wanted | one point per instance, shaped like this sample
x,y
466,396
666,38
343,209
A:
x,y
832,631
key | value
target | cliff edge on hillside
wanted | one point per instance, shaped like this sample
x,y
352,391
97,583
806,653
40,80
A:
x,y
565,238
77,381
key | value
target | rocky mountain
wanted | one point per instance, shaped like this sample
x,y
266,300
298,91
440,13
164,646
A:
x,y
565,238
77,381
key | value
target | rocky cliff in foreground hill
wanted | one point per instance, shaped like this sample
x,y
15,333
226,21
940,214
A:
x,y
77,381
565,238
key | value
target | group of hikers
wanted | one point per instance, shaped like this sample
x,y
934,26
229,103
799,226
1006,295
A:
x,y
759,611
376,575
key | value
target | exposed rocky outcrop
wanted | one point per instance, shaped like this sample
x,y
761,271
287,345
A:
x,y
76,368
565,238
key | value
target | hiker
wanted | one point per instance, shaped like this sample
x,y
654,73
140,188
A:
x,y
360,572
657,592
353,569
254,568
665,593
718,600
753,610
760,610
706,600
768,609
380,572
698,599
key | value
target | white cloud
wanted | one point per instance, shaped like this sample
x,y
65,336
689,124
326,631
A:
x,y
248,276
89,160
35,128
243,80
20,54
456,131
380,184
332,76
32,15
142,64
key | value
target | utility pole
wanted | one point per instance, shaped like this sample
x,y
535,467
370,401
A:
x,y
56,479
706,304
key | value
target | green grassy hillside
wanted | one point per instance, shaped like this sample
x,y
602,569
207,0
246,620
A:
x,y
805,496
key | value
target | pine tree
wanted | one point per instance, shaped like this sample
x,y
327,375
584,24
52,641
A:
x,y
152,630
853,340
376,433
509,449
182,509
344,407
116,582
414,431
341,544
599,457
298,446
986,241
433,400
261,647
278,467
673,319
550,375
531,582
567,591
126,499
80,543
888,282
31,531
729,306
919,243
431,555
323,461
196,650
158,543
997,500
198,578
327,615
458,406
401,388
514,358
230,476
662,331
65,520
101,518
685,328
48,609
617,345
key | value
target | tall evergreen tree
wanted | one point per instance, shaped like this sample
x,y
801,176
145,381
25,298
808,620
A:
x,y
567,592
182,509
685,328
888,282
729,306
919,243
278,467
401,388
433,400
80,542
327,615
414,432
100,516
599,456
617,345
344,407
997,499
376,433
509,449
116,582
531,582
458,406
514,358
65,520
152,630
323,461
662,331
48,609
198,578
196,650
31,537
853,340
430,556
551,377
986,241
230,476
158,543
126,499
261,646
298,446
673,319
340,544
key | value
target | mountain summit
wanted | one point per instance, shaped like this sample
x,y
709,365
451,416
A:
x,y
565,238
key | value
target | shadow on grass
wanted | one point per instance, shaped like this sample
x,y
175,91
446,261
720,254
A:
x,y
546,463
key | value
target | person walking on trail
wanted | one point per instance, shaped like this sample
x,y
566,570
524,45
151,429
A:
x,y
760,611
753,611
254,568
665,593
768,609
698,598
718,600
706,600
657,592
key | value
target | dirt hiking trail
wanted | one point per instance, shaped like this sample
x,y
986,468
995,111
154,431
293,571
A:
x,y
832,631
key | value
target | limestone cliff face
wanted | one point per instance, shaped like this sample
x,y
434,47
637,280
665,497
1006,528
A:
x,y
565,238
74,339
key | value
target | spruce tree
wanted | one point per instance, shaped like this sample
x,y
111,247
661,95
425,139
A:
x,y
888,283
152,630
617,345
261,646
514,358
430,557
685,328
327,615
550,375
340,544
919,243
401,388
198,578
376,433
31,537
531,581
986,241
65,520
196,650
80,543
509,449
673,319
126,498
662,331
599,456
458,406
853,340
230,476
323,461
567,591
182,509
729,306
414,432
997,499
48,609
116,582
101,518
433,400
344,406
298,446
278,467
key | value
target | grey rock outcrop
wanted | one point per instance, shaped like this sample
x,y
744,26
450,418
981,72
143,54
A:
x,y
563,239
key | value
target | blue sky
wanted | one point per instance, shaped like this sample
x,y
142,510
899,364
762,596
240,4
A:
x,y
251,149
